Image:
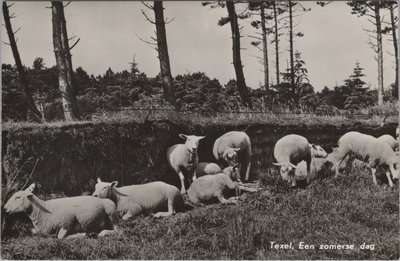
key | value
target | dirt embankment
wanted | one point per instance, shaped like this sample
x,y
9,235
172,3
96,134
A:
x,y
68,159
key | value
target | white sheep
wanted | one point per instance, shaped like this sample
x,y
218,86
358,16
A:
x,y
64,216
389,140
293,149
235,147
209,187
138,199
183,158
207,168
368,149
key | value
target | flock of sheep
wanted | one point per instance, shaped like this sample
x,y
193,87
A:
x,y
99,213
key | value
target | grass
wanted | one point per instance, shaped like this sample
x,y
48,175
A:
x,y
347,210
226,118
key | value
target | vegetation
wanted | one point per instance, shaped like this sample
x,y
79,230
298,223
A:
x,y
349,210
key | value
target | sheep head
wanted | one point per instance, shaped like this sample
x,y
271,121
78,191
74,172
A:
x,y
286,167
192,142
233,172
21,201
104,189
230,156
317,151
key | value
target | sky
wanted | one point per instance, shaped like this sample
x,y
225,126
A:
x,y
110,32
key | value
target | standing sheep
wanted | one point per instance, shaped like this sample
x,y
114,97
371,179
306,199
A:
x,y
368,149
137,199
209,187
293,149
389,140
235,147
183,158
64,216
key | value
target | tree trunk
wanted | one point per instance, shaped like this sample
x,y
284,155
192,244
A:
x,y
395,44
265,48
276,43
237,62
64,62
163,56
291,44
30,103
379,52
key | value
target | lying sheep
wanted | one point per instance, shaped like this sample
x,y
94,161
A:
x,y
368,149
138,199
389,140
293,149
235,147
207,168
183,158
209,187
64,216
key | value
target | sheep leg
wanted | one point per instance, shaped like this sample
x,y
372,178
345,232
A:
x,y
194,176
373,170
251,190
182,178
77,235
170,211
308,171
248,171
62,233
337,166
389,178
225,201
106,232
127,216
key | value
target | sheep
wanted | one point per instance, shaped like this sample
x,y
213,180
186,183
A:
x,y
137,199
66,217
183,158
235,147
368,149
207,168
291,150
209,187
389,140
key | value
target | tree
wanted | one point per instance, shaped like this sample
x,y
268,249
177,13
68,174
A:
x,y
392,6
162,48
30,103
277,12
64,62
372,10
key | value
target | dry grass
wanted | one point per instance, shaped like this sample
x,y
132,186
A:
x,y
348,210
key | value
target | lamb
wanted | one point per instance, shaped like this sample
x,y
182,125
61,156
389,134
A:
x,y
66,217
138,199
293,149
389,140
368,149
183,158
208,187
235,147
207,168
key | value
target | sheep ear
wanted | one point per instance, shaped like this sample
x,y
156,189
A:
x,y
236,149
31,188
114,184
313,146
277,164
293,166
183,136
98,180
201,137
235,166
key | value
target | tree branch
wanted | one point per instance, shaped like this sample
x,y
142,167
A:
x,y
17,30
170,21
147,5
74,44
147,18
67,4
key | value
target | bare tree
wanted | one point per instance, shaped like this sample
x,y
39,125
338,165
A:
x,y
392,28
162,48
372,9
30,103
64,62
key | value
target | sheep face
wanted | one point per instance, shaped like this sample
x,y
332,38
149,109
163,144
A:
x,y
104,189
318,151
192,142
233,172
19,202
230,156
285,169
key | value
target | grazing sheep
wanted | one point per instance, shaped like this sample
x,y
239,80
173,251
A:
x,y
183,158
389,140
207,168
368,149
64,216
235,147
210,187
290,151
137,199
